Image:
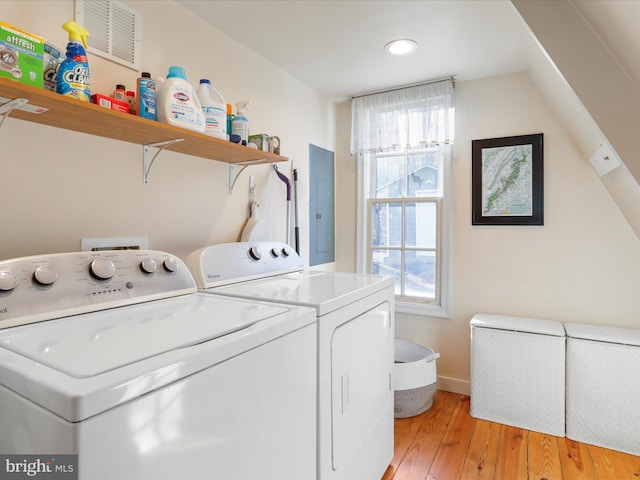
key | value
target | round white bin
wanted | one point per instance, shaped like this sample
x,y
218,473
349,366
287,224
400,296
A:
x,y
415,377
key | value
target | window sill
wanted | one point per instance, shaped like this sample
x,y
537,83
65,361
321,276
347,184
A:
x,y
423,310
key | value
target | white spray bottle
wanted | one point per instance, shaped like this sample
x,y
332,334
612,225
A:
x,y
240,123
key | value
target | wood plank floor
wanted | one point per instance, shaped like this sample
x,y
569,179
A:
x,y
446,443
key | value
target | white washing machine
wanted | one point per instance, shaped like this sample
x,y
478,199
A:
x,y
115,356
355,321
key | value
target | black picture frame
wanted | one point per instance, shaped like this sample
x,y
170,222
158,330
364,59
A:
x,y
507,185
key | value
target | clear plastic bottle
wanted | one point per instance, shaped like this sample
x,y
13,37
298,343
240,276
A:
x,y
214,108
178,103
120,93
131,100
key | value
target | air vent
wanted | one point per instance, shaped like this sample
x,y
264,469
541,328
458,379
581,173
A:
x,y
114,30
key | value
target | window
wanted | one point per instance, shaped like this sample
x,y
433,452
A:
x,y
403,229
403,173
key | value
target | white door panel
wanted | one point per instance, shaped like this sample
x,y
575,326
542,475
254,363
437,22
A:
x,y
360,379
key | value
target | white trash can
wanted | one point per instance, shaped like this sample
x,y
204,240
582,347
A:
x,y
414,373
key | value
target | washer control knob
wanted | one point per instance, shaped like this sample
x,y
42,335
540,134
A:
x,y
45,275
170,264
8,281
255,253
286,251
148,265
102,269
275,252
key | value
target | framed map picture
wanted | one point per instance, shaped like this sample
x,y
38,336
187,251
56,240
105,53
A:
x,y
507,181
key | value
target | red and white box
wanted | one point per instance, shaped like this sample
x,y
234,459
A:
x,y
108,102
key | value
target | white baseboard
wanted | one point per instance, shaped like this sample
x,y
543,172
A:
x,y
454,385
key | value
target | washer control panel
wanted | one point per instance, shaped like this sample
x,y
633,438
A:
x,y
228,263
45,287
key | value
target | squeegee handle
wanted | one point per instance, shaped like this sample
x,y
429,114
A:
x,y
296,230
285,180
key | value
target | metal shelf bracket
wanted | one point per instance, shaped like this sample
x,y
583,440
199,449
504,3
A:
x,y
147,162
5,109
234,173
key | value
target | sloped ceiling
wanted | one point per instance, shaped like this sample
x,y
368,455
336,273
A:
x,y
589,84
616,23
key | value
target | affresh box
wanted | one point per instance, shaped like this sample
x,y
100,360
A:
x,y
21,55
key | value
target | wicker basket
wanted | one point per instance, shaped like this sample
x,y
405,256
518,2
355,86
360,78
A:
x,y
414,378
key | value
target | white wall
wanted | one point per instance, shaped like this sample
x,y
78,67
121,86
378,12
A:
x,y
59,186
581,266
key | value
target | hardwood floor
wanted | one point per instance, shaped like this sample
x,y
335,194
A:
x,y
446,443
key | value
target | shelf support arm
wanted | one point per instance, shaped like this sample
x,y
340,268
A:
x,y
147,162
6,108
234,173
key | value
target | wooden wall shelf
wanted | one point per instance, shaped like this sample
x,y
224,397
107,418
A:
x,y
70,114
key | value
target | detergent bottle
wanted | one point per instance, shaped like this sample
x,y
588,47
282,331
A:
x,y
73,74
177,102
214,108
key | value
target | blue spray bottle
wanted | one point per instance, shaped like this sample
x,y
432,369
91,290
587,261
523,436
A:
x,y
73,73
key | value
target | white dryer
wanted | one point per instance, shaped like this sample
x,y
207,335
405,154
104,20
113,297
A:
x,y
355,321
115,356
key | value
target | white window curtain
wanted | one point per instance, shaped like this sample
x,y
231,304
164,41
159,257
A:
x,y
403,120
407,118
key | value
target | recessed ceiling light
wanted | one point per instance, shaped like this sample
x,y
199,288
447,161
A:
x,y
401,47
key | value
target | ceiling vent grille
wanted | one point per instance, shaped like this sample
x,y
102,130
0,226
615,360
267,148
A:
x,y
114,30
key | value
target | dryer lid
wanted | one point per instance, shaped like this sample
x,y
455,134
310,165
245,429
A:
x,y
324,291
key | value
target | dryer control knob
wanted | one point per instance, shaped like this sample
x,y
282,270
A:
x,y
102,269
255,253
170,264
148,265
286,251
275,252
8,281
45,275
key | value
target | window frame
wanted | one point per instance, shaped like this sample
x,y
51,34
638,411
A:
x,y
366,199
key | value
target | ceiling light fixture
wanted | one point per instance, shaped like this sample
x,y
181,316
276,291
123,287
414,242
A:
x,y
401,47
